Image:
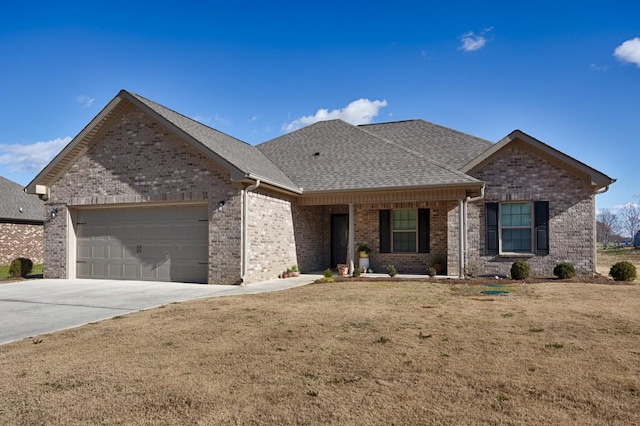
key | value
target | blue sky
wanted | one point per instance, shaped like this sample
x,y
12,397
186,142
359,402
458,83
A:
x,y
567,73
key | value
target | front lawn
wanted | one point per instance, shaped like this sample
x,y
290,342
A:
x,y
344,353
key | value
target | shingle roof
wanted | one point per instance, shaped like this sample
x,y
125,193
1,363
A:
x,y
441,144
246,158
14,199
334,155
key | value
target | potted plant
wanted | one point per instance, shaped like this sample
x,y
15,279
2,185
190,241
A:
x,y
294,271
363,250
439,264
343,269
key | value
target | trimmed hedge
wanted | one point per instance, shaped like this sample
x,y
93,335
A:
x,y
20,267
520,270
564,270
623,271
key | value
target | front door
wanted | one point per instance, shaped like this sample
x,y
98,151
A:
x,y
339,238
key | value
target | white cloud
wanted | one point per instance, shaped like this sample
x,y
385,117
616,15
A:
x,y
472,41
361,111
32,157
85,101
629,51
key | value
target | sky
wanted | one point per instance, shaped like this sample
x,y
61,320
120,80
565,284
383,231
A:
x,y
564,72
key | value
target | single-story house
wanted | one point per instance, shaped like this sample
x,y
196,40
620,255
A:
x,y
144,192
21,223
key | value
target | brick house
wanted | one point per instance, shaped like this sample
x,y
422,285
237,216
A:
x,y
21,224
144,192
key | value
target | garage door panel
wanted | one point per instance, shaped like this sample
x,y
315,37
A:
x,y
160,243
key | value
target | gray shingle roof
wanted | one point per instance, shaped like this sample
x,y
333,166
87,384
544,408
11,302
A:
x,y
441,144
244,157
14,198
334,155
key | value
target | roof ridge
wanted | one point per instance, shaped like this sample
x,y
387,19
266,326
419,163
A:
x,y
450,129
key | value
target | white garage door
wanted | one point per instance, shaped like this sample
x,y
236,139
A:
x,y
153,243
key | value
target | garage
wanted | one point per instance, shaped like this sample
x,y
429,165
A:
x,y
150,243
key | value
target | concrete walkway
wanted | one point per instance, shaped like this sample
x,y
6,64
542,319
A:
x,y
34,307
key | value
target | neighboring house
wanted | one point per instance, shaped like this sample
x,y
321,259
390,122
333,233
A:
x,y
21,223
146,193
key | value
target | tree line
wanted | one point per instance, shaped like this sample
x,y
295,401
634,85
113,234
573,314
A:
x,y
613,228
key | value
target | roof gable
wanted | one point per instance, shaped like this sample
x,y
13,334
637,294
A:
x,y
17,205
337,156
598,179
241,159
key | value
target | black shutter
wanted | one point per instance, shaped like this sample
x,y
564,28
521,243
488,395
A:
x,y
423,231
385,231
491,238
541,223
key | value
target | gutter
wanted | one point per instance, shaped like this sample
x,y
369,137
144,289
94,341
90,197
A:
x,y
463,232
245,229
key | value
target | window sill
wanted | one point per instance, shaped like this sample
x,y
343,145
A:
x,y
517,255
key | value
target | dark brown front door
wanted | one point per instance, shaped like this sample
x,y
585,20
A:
x,y
339,238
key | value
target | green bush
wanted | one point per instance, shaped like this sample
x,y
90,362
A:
x,y
520,270
328,273
20,267
623,271
391,270
564,270
431,271
356,273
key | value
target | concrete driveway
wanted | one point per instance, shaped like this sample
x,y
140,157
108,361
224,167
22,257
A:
x,y
34,307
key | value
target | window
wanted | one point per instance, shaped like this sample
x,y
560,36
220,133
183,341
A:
x,y
517,227
404,231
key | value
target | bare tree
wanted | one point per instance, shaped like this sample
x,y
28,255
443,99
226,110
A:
x,y
630,219
607,227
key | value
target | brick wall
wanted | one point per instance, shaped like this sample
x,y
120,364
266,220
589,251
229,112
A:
x,y
367,230
21,240
520,173
137,160
271,240
312,231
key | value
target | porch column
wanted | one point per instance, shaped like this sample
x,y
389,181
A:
x,y
350,241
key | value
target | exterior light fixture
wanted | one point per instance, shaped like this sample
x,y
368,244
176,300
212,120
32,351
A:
x,y
54,212
220,205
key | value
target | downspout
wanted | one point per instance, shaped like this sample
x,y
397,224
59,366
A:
x,y
463,230
595,229
245,228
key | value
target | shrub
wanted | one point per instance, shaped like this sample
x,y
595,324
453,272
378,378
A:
x,y
520,270
324,280
623,271
328,273
20,267
391,270
356,272
564,270
431,271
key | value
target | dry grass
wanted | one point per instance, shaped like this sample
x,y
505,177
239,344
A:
x,y
343,353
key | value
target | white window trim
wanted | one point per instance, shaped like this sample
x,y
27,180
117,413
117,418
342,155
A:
x,y
531,227
393,231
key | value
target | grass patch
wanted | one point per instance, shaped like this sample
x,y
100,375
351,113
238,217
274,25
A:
x,y
35,272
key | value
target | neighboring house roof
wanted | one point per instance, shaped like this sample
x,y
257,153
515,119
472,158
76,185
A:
x,y
336,156
17,206
241,159
598,180
441,144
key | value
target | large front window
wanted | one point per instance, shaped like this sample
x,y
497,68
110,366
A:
x,y
516,227
405,231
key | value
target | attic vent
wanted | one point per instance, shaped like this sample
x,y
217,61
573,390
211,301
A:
x,y
317,154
